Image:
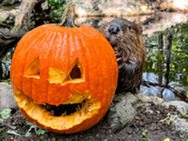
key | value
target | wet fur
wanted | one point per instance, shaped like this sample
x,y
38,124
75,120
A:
x,y
130,50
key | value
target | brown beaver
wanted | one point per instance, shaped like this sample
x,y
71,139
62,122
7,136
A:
x,y
125,38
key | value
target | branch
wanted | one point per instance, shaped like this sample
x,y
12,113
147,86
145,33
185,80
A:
x,y
180,94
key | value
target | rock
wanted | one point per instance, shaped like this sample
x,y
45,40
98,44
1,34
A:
x,y
126,96
143,98
149,99
4,16
6,97
181,106
156,100
120,113
180,125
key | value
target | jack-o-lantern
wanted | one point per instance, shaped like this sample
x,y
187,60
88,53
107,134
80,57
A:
x,y
64,76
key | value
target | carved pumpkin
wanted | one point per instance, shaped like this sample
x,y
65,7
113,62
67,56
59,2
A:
x,y
64,77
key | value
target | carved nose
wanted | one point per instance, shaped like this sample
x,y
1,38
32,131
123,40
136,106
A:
x,y
113,29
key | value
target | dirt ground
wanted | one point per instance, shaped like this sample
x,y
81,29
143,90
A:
x,y
155,125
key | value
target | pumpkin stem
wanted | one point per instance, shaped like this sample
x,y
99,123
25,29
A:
x,y
67,19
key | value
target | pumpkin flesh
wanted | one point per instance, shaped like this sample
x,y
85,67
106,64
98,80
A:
x,y
50,122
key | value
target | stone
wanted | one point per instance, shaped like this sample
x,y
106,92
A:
x,y
4,16
126,96
120,114
6,97
156,100
180,125
143,98
149,99
181,106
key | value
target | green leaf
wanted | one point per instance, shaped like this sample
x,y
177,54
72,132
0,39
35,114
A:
x,y
144,134
1,130
38,130
6,113
28,123
13,133
168,121
41,131
183,114
42,137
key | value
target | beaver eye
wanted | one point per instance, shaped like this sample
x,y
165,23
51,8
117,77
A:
x,y
129,27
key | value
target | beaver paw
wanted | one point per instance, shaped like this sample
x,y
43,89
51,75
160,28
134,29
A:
x,y
118,57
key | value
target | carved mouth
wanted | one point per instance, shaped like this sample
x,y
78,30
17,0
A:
x,y
58,118
63,109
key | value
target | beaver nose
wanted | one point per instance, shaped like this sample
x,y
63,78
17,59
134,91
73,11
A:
x,y
113,29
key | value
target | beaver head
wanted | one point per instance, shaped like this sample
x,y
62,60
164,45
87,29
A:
x,y
124,36
126,40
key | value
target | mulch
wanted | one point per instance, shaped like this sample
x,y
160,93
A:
x,y
151,121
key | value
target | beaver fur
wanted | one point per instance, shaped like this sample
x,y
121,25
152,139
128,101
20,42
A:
x,y
125,38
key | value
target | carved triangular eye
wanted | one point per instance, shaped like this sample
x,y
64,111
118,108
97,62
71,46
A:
x,y
75,72
33,69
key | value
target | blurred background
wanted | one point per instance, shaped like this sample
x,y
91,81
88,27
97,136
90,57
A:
x,y
165,33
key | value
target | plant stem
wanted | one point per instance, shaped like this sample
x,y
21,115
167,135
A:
x,y
67,19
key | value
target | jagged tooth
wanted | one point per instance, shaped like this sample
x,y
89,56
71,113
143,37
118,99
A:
x,y
52,112
65,113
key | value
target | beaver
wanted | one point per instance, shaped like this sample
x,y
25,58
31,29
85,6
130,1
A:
x,y
125,38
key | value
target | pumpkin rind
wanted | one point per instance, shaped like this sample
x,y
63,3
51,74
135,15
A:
x,y
50,49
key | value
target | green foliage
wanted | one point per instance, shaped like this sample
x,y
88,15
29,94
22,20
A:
x,y
41,137
6,113
7,81
143,133
5,66
2,137
38,130
58,6
1,130
56,3
168,121
183,114
156,61
12,132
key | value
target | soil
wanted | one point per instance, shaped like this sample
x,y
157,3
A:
x,y
151,119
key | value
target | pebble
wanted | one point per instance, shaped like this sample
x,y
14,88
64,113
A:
x,y
6,97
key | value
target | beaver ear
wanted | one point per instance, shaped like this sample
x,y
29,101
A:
x,y
139,28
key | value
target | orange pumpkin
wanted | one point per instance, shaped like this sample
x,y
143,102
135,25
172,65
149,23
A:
x,y
64,66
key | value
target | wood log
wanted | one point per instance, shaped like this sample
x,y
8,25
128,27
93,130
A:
x,y
22,23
